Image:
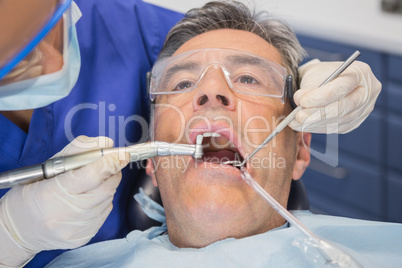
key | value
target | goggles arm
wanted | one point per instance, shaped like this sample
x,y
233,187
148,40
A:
x,y
289,90
148,78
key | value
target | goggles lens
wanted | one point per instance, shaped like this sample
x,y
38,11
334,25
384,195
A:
x,y
244,72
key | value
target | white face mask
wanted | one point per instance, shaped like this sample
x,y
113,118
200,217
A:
x,y
43,90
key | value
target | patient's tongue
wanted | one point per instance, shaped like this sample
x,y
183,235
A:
x,y
219,156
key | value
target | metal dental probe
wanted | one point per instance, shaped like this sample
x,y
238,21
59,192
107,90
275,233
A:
x,y
292,115
58,165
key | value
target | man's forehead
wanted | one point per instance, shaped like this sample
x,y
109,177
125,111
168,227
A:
x,y
232,39
192,60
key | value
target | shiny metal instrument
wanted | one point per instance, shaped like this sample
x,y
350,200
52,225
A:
x,y
58,165
292,115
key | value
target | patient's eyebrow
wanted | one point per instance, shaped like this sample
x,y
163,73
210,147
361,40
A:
x,y
244,59
188,66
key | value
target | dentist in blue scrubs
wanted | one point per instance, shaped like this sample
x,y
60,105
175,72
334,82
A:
x,y
105,54
70,84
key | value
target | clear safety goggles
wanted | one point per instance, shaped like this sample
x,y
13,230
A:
x,y
41,31
244,72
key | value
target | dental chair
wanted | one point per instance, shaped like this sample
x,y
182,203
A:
x,y
138,220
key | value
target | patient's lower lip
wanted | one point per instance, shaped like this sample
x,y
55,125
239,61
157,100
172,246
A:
x,y
216,172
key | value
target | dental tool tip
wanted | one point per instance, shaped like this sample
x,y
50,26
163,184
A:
x,y
198,153
199,139
234,163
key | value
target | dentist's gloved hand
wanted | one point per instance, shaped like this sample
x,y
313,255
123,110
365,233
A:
x,y
341,105
63,212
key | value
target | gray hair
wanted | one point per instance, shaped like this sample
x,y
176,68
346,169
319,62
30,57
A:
x,y
235,15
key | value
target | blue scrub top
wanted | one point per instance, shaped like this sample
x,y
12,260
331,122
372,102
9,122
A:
x,y
119,41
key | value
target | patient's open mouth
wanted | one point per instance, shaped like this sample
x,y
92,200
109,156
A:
x,y
219,150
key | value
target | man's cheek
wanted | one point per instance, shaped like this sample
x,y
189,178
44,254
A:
x,y
169,126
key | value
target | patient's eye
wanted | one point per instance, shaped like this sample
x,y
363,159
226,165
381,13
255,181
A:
x,y
246,79
184,85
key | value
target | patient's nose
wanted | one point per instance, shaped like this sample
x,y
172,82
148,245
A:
x,y
214,91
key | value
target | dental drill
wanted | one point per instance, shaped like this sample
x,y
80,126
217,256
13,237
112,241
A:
x,y
58,165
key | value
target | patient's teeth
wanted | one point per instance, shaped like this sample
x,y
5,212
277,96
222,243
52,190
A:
x,y
211,134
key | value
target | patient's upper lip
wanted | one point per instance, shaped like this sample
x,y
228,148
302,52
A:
x,y
223,129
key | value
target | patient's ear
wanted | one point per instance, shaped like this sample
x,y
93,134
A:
x,y
151,171
302,154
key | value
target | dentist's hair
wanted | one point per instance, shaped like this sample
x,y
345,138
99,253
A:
x,y
235,15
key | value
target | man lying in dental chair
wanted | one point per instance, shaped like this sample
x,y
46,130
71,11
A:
x,y
222,70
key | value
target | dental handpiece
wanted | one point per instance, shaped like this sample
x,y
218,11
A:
x,y
58,165
292,115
